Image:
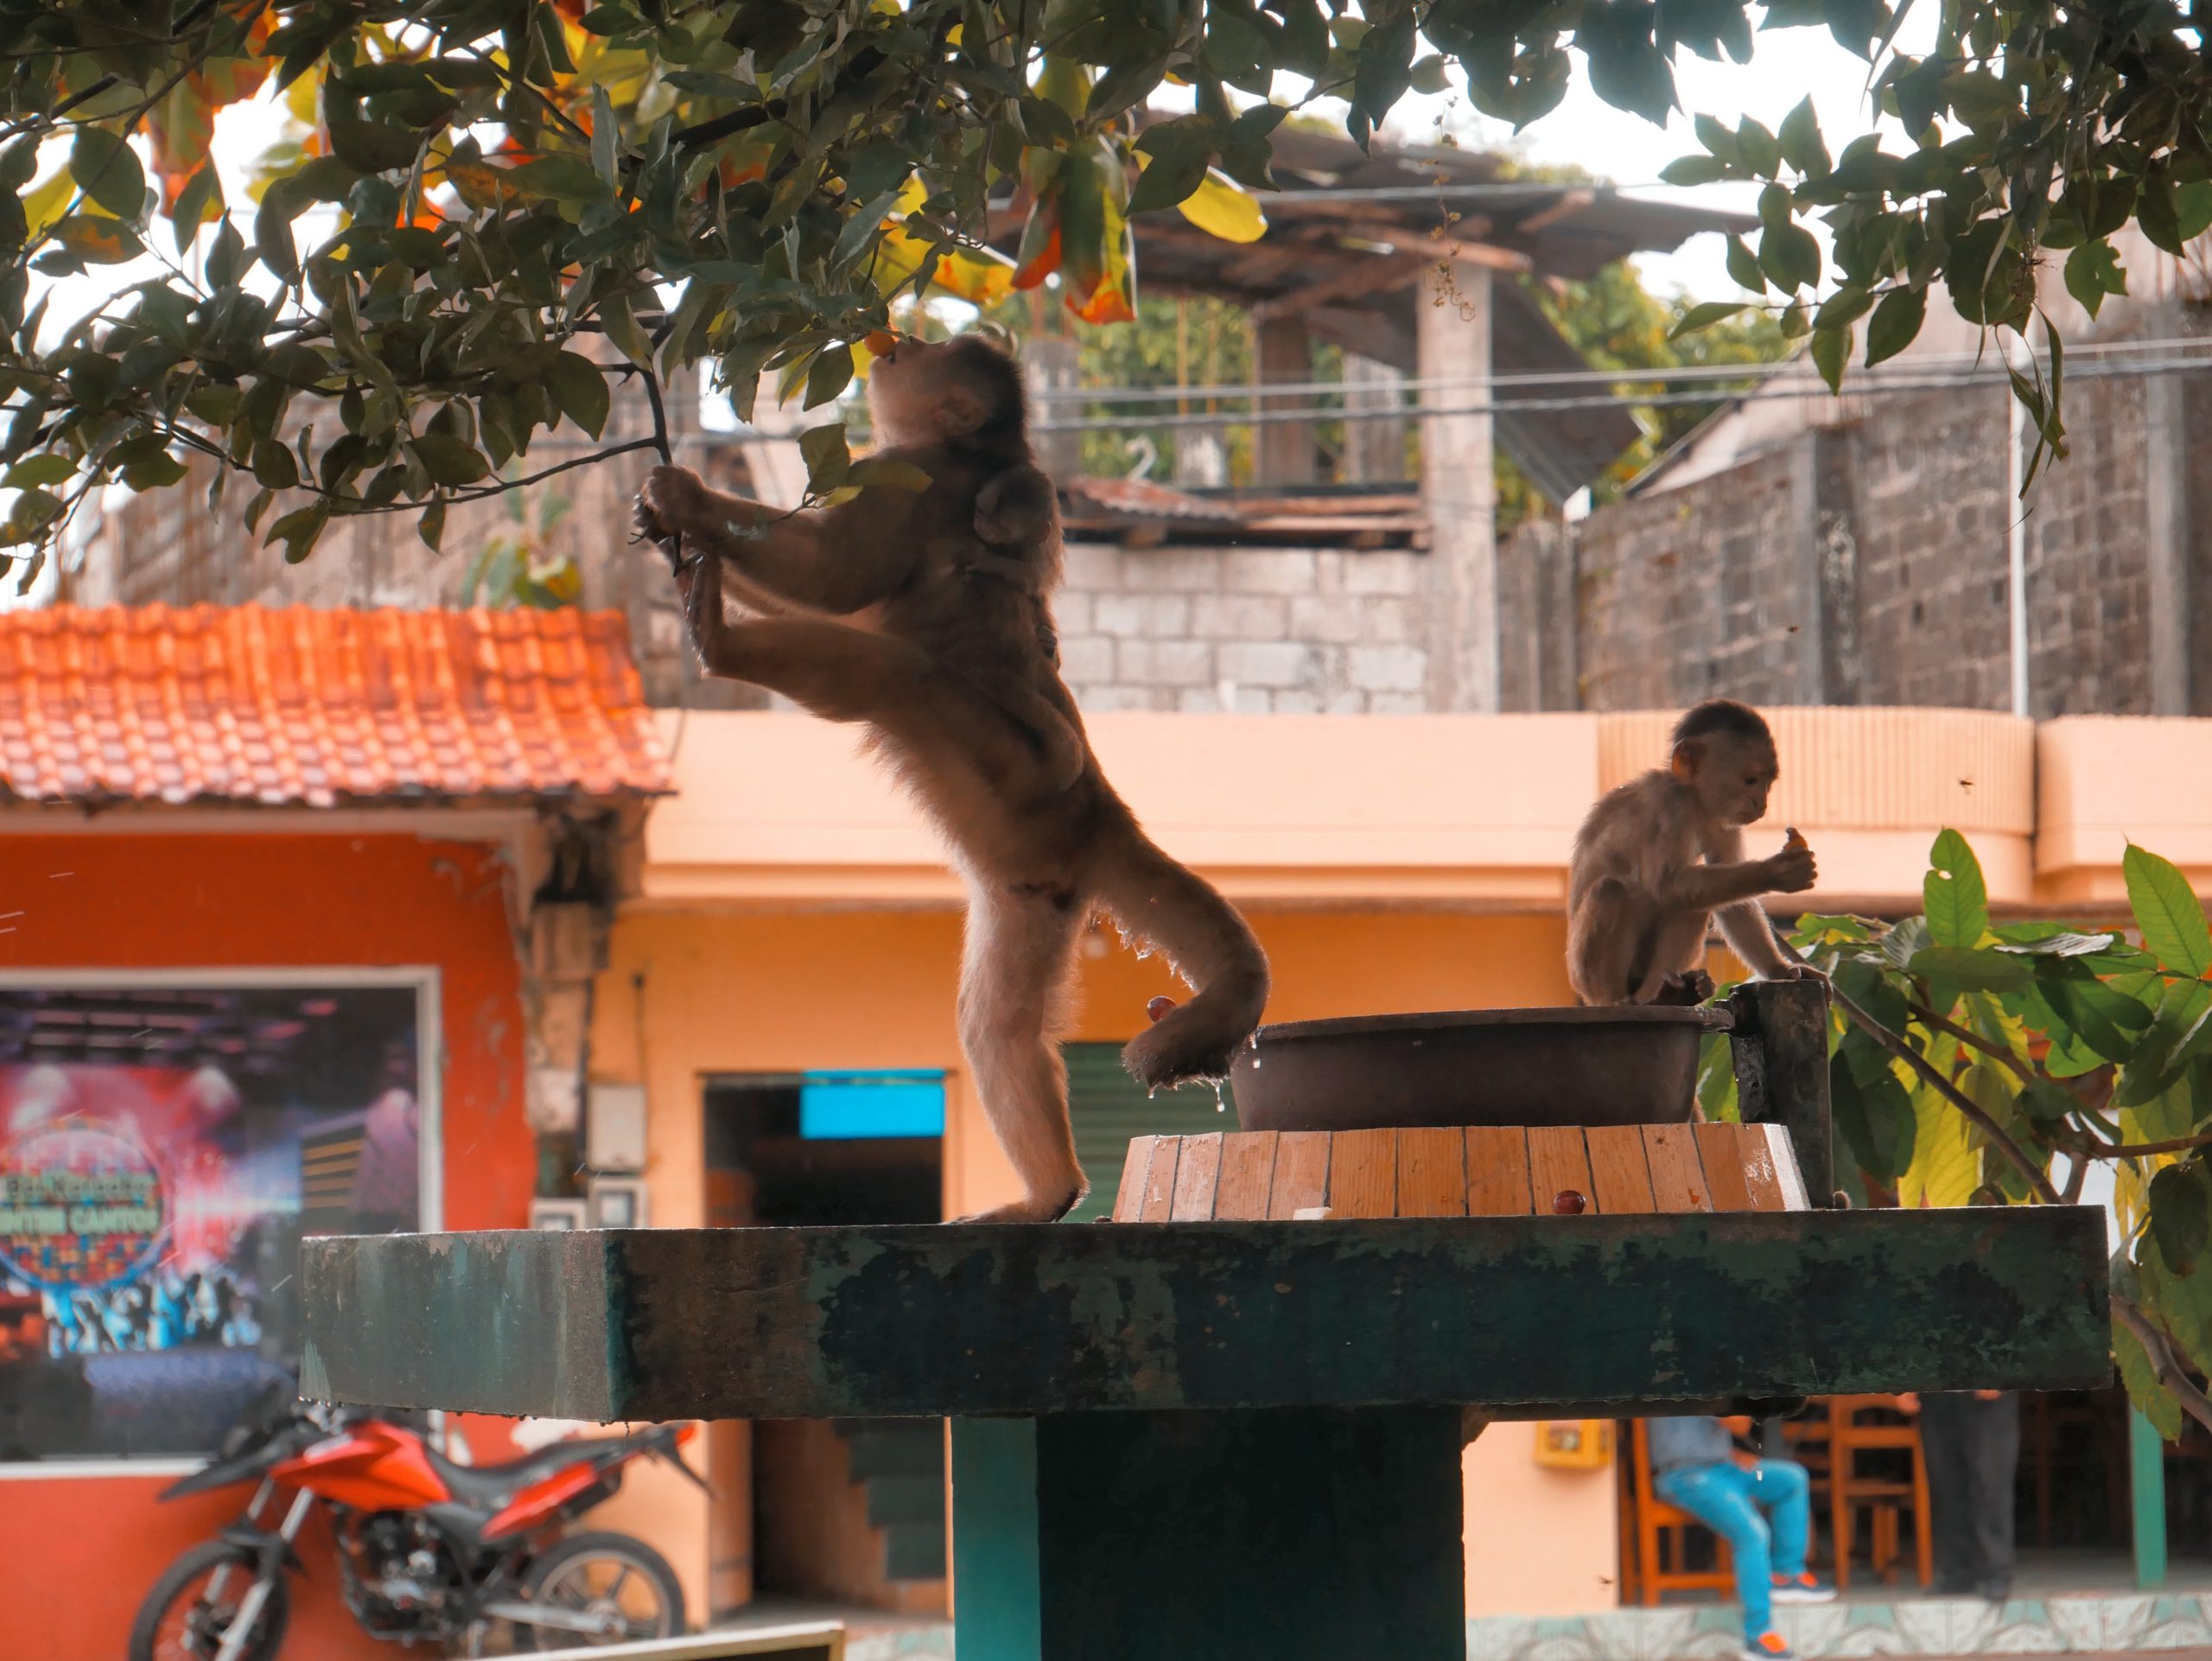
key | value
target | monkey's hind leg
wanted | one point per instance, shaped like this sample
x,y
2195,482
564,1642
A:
x,y
1013,1000
1608,941
1207,944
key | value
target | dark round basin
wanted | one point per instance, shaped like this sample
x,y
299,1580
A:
x,y
1620,1066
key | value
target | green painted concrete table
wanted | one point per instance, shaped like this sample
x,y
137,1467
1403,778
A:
x,y
1212,1440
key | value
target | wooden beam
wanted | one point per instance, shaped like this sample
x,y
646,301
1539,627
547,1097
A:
x,y
1373,274
984,1319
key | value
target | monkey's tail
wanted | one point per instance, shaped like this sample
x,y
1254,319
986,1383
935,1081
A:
x,y
1207,944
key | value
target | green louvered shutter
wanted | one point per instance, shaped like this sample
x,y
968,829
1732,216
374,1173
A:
x,y
1109,1107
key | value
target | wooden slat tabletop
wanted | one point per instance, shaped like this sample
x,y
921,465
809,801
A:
x,y
1483,1171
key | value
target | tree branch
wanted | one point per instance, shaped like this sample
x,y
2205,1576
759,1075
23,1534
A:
x,y
2165,1366
1928,1017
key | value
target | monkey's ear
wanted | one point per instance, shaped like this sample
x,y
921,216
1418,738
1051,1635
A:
x,y
1684,761
960,412
1015,506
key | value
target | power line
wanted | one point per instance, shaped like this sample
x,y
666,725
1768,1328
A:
x,y
1864,386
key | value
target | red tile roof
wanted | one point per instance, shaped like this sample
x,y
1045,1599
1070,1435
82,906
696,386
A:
x,y
283,706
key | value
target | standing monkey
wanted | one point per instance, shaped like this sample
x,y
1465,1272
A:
x,y
1658,857
926,616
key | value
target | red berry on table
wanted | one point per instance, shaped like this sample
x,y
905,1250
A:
x,y
1568,1203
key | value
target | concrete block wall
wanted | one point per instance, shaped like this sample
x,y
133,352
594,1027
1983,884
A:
x,y
1256,630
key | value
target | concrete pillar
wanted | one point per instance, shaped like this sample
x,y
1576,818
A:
x,y
1048,363
1284,356
2166,550
1453,331
1374,450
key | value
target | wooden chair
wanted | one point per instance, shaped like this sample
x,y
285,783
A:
x,y
1850,1433
1662,1535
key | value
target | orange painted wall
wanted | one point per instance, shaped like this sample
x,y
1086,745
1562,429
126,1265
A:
x,y
80,1552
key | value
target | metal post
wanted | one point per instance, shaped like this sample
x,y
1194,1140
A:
x,y
2146,1463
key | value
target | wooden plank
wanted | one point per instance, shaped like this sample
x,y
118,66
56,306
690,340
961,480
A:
x,y
1677,1172
1136,1167
1363,1174
1197,1170
1301,1179
1497,1171
962,1319
1781,1149
1722,1153
1557,1161
1160,1180
1619,1179
1755,1158
1432,1173
1247,1167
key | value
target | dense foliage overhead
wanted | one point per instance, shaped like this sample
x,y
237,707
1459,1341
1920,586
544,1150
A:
x,y
473,193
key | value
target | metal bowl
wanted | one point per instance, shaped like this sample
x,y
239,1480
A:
x,y
1617,1066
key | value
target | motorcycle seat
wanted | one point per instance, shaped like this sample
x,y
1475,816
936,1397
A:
x,y
494,1485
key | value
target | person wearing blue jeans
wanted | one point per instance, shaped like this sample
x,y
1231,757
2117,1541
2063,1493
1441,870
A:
x,y
1759,1506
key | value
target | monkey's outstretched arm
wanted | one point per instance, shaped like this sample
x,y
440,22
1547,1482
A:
x,y
1704,888
1749,933
835,560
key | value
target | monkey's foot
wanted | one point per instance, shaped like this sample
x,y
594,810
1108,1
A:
x,y
1690,988
1028,1211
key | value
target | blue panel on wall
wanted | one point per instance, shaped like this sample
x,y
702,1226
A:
x,y
843,1105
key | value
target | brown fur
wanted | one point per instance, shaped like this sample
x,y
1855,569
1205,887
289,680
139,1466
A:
x,y
1658,856
926,617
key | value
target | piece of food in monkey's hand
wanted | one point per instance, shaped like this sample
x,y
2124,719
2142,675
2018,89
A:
x,y
1158,1009
1569,1203
882,344
1793,839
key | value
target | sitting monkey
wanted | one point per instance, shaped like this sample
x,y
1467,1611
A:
x,y
943,644
1658,856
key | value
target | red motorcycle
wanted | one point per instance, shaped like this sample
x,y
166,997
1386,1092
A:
x,y
429,1551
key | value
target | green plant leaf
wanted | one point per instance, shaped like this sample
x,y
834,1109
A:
x,y
2167,911
450,461
827,460
1953,892
562,178
1706,315
1803,147
889,472
578,387
1896,324
107,170
1965,969
1831,353
2181,1214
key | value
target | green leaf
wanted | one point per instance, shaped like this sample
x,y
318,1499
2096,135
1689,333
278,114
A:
x,y
2094,271
450,461
1690,170
1896,324
1758,148
603,139
1843,308
371,146
1167,182
1790,257
2181,1214
432,527
298,531
1830,352
2151,1398
1955,893
1744,266
45,468
832,373
621,326
199,200
106,170
1876,1120
2058,942
561,178
1705,315
578,387
1970,970
274,465
2167,911
1803,147
827,460
889,471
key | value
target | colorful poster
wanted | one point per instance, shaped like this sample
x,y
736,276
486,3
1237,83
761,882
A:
x,y
162,1151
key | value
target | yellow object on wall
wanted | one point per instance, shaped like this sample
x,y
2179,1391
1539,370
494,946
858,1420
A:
x,y
1574,1444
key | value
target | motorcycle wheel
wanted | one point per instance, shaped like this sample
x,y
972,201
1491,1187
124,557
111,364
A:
x,y
189,1611
602,1574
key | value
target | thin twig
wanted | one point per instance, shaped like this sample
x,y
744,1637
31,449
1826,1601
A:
x,y
1928,1017
2165,1366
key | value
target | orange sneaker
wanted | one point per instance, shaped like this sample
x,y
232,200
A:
x,y
1768,1647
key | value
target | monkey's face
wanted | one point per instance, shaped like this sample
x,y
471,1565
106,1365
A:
x,y
1731,776
922,391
